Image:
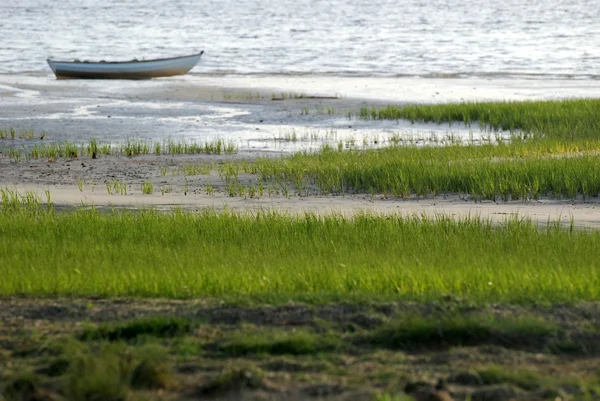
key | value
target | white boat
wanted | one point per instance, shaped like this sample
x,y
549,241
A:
x,y
134,69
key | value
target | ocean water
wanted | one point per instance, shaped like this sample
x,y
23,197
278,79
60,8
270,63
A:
x,y
430,38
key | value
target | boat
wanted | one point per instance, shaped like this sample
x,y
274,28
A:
x,y
133,69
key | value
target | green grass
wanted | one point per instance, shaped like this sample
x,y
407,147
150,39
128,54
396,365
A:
x,y
556,119
157,326
414,332
297,342
116,187
234,379
29,203
287,95
553,150
101,374
109,371
269,257
147,188
526,379
13,134
505,171
131,148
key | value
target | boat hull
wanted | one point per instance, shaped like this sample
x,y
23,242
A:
x,y
145,69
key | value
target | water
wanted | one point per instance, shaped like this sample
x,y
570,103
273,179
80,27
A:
x,y
410,51
431,38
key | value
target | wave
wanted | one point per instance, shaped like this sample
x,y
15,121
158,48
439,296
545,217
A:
x,y
428,75
360,74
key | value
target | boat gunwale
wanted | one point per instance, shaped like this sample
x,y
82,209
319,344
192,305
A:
x,y
87,62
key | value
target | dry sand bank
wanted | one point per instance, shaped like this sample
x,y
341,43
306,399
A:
x,y
205,87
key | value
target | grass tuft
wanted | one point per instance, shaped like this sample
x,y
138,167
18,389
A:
x,y
298,342
26,386
234,379
450,331
147,188
101,375
153,371
155,326
525,379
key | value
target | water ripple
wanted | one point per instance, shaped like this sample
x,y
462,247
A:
x,y
358,37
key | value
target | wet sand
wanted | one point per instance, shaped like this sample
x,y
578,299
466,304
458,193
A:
x,y
197,106
247,109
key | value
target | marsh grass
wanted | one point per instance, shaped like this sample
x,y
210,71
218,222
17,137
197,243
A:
x,y
271,257
99,374
197,169
552,150
154,371
210,190
525,379
287,95
551,119
23,386
10,133
13,134
147,188
15,154
297,342
54,151
165,189
30,203
155,326
217,147
92,148
234,379
452,331
135,148
516,170
115,186
131,148
244,95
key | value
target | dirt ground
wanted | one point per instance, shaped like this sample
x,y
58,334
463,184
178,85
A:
x,y
204,365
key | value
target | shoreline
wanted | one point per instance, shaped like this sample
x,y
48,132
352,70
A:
x,y
195,106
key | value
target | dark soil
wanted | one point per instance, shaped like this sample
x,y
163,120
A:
x,y
208,350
